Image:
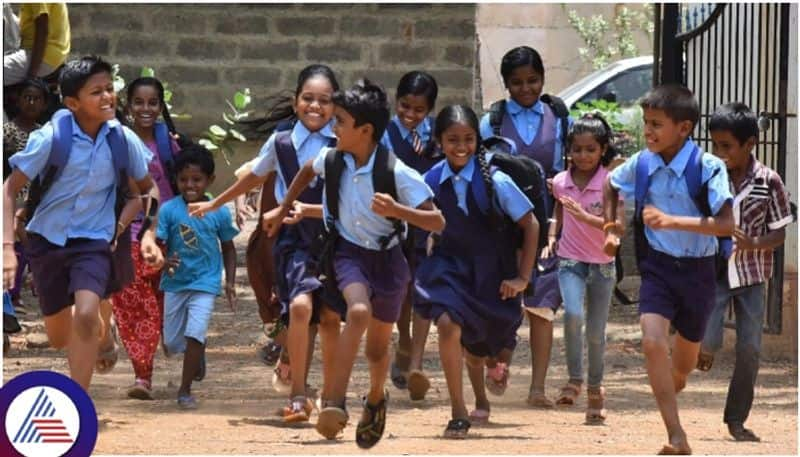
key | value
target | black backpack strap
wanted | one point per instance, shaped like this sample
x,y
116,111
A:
x,y
334,167
496,112
119,156
383,182
286,155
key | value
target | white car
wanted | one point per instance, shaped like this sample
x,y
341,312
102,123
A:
x,y
624,82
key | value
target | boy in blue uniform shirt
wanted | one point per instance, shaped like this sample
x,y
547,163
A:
x,y
196,251
372,276
678,269
71,231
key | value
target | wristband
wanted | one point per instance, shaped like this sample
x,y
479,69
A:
x,y
609,225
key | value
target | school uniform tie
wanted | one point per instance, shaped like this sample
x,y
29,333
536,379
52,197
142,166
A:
x,y
416,142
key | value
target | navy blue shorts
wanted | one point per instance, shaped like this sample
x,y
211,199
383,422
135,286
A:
x,y
60,271
680,289
385,273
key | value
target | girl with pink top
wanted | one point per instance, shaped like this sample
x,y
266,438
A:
x,y
585,272
139,306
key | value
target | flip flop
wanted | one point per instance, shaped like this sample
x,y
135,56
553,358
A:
x,y
398,378
331,421
669,449
370,432
497,379
107,359
539,400
418,385
457,429
479,417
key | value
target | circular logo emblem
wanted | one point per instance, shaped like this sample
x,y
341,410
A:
x,y
46,414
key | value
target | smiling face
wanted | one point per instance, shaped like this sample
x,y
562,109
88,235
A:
x,y
458,142
144,106
662,133
95,101
727,147
585,152
314,103
193,182
411,110
525,85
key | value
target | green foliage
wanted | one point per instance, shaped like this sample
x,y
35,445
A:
x,y
594,31
220,139
626,123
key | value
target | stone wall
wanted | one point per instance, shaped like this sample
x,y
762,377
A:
x,y
206,52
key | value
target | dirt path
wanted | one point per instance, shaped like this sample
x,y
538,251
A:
x,y
237,403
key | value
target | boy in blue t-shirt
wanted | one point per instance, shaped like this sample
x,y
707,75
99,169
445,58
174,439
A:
x,y
678,265
194,263
74,225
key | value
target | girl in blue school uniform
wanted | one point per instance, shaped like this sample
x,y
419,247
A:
x,y
537,132
471,293
410,135
284,153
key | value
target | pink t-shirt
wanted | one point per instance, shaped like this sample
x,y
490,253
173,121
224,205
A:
x,y
580,241
159,176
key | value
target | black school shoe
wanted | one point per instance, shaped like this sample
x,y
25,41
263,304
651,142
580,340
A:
x,y
739,433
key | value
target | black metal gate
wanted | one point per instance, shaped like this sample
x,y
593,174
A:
x,y
726,53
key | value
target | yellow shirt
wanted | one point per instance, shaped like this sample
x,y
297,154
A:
x,y
58,36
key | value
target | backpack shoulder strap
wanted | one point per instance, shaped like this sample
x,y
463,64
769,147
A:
x,y
642,180
163,142
119,154
496,112
334,167
561,111
60,147
693,174
479,191
383,172
383,181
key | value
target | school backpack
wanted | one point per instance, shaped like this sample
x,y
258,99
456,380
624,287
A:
x,y
498,109
698,191
122,264
323,247
526,173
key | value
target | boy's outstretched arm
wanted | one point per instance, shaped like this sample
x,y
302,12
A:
x,y
248,181
722,224
11,187
426,216
229,261
612,232
273,219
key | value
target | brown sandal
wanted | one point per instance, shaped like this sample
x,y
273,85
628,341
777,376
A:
x,y
539,400
595,412
569,393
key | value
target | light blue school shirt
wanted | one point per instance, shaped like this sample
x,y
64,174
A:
x,y
423,129
80,203
306,143
196,241
512,201
527,122
357,222
669,193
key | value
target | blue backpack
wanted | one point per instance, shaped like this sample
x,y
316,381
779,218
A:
x,y
698,191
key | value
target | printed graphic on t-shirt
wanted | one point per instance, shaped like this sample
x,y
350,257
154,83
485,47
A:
x,y
188,236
